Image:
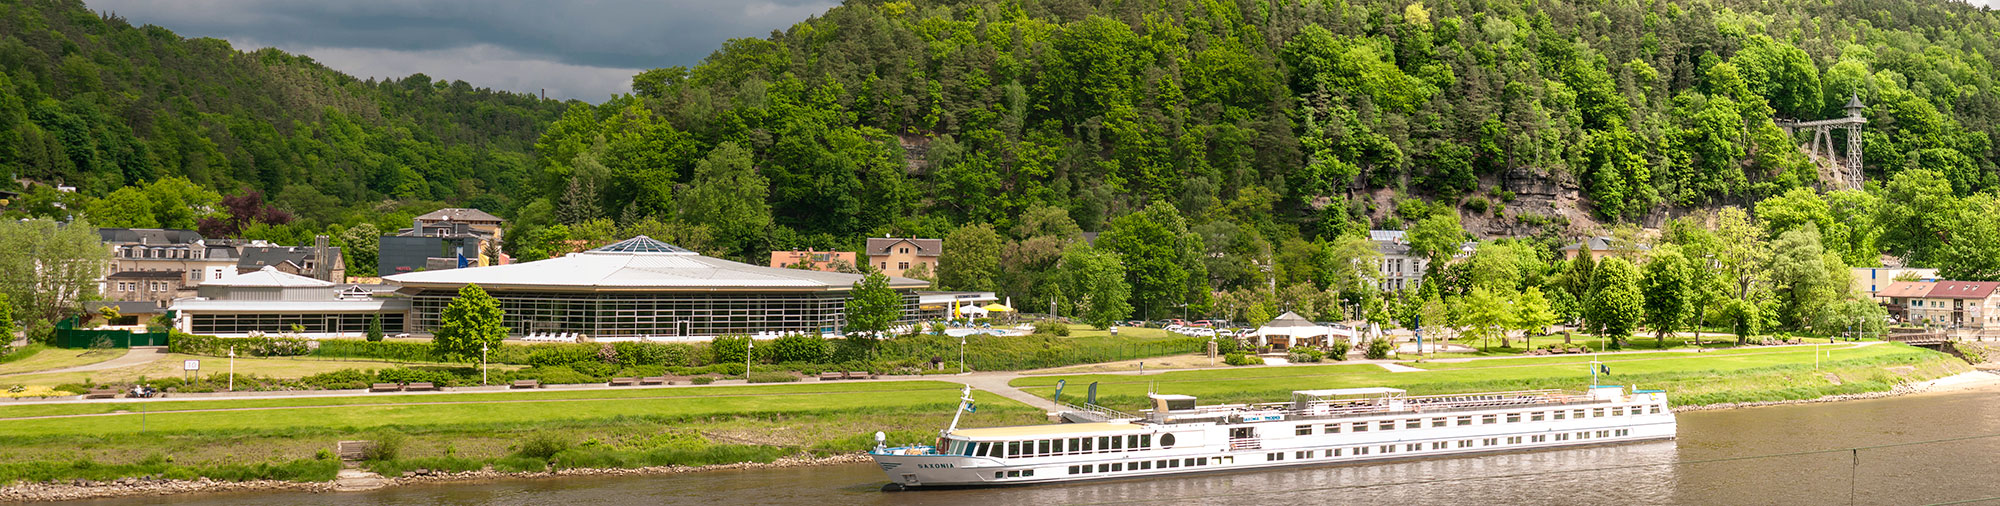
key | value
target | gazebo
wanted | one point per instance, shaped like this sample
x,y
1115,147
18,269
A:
x,y
1290,329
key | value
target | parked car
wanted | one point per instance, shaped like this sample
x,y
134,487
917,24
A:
x,y
1202,323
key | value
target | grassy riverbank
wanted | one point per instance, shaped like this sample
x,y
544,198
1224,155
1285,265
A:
x,y
513,431
1742,375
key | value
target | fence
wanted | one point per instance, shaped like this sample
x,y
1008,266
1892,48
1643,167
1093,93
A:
x,y
67,336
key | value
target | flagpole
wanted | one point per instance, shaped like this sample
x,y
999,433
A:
x,y
964,399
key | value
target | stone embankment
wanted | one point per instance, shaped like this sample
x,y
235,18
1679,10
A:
x,y
145,487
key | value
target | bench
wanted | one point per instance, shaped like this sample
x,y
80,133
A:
x,y
855,375
829,376
653,380
525,384
420,386
624,382
385,387
102,393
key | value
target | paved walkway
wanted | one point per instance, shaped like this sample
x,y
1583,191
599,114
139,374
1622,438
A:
x,y
132,357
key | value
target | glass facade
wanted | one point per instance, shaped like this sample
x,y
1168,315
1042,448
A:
x,y
279,323
658,313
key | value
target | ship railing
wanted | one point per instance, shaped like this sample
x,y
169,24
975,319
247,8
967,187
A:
x,y
1442,402
1106,413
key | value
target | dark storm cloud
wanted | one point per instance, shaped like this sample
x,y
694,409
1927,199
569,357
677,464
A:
x,y
481,38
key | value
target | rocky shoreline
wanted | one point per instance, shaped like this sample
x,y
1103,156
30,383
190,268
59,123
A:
x,y
77,490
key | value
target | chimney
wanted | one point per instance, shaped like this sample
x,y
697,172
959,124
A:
x,y
322,268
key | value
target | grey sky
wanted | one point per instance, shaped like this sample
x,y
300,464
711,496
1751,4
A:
x,y
586,50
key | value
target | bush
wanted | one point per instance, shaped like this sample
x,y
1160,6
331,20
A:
x,y
1477,205
1242,359
1378,348
1227,346
191,344
1306,355
355,348
1338,349
1052,327
542,446
703,380
728,349
771,377
386,446
797,348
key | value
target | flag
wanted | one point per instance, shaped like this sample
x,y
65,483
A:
x,y
1606,369
969,408
1059,387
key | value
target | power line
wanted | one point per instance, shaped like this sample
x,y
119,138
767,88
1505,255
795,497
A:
x,y
1855,451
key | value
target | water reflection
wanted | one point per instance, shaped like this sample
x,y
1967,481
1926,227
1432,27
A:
x,y
1690,470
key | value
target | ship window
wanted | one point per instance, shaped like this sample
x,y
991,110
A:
x,y
1361,426
1042,447
1490,441
1072,470
1559,414
1305,454
1388,448
1388,424
1073,447
1576,414
1562,437
1132,442
1187,462
999,474
1514,440
1624,432
1145,440
1088,446
1331,428
1118,466
1465,420
1513,418
1464,443
1535,417
1013,474
1013,449
1334,452
1618,411
1203,461
1539,439
1603,433
1440,445
967,448
1413,447
1486,419
1104,468
1166,440
1437,422
1027,473
1302,430
1414,423
983,449
1117,443
1599,412
1654,410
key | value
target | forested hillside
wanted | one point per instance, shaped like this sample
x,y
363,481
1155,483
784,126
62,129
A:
x,y
89,100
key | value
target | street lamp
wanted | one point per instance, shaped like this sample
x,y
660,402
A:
x,y
482,364
961,354
232,368
748,344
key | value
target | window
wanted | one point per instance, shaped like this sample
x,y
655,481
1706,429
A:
x,y
1013,474
1487,419
1104,468
999,474
1576,414
1302,455
1013,449
1624,432
1653,410
1042,447
1331,428
1203,461
1437,422
1388,448
1414,423
1465,420
1539,439
902,265
1603,433
1491,441
1361,426
1439,445
905,251
1132,442
1303,430
1388,425
1187,462
1027,473
1363,450
1333,452
885,265
1073,470
1535,416
1598,413
1513,418
1514,440
1618,411
1560,413
1562,437
1464,443
1413,447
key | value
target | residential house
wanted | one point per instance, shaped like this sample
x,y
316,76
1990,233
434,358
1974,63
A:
x,y
160,264
1398,269
1602,246
320,261
1872,280
1897,297
894,256
1968,305
482,222
824,261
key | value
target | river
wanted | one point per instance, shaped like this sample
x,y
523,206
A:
x,y
1722,457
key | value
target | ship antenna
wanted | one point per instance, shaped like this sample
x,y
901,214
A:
x,y
964,400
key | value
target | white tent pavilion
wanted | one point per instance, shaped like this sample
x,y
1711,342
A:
x,y
1290,329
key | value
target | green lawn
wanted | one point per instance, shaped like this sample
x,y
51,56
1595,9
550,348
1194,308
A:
x,y
616,427
1689,379
57,358
169,366
1641,342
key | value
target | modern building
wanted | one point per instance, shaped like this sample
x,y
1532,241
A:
x,y
270,301
1871,281
894,256
934,305
443,239
321,262
827,261
643,288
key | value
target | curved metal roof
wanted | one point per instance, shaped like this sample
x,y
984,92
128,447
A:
x,y
638,264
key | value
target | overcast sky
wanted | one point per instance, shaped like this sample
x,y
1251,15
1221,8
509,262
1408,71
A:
x,y
586,49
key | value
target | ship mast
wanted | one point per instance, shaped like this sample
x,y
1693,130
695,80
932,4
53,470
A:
x,y
964,399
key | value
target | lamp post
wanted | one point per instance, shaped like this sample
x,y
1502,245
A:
x,y
232,368
482,364
748,344
961,354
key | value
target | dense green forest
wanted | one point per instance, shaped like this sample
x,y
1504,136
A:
x,y
88,100
1220,147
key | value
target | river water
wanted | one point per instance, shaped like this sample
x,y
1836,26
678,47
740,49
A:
x,y
1742,456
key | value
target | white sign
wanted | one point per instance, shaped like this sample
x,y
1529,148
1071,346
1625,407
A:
x,y
191,365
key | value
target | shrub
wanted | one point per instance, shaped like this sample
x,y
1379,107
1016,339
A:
x,y
542,446
771,377
387,445
728,349
354,348
607,353
1227,346
1052,327
1242,359
1378,348
797,348
703,380
1306,355
1338,349
665,354
375,329
190,344
562,355
344,379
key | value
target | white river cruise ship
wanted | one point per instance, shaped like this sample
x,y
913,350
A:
x,y
1319,427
